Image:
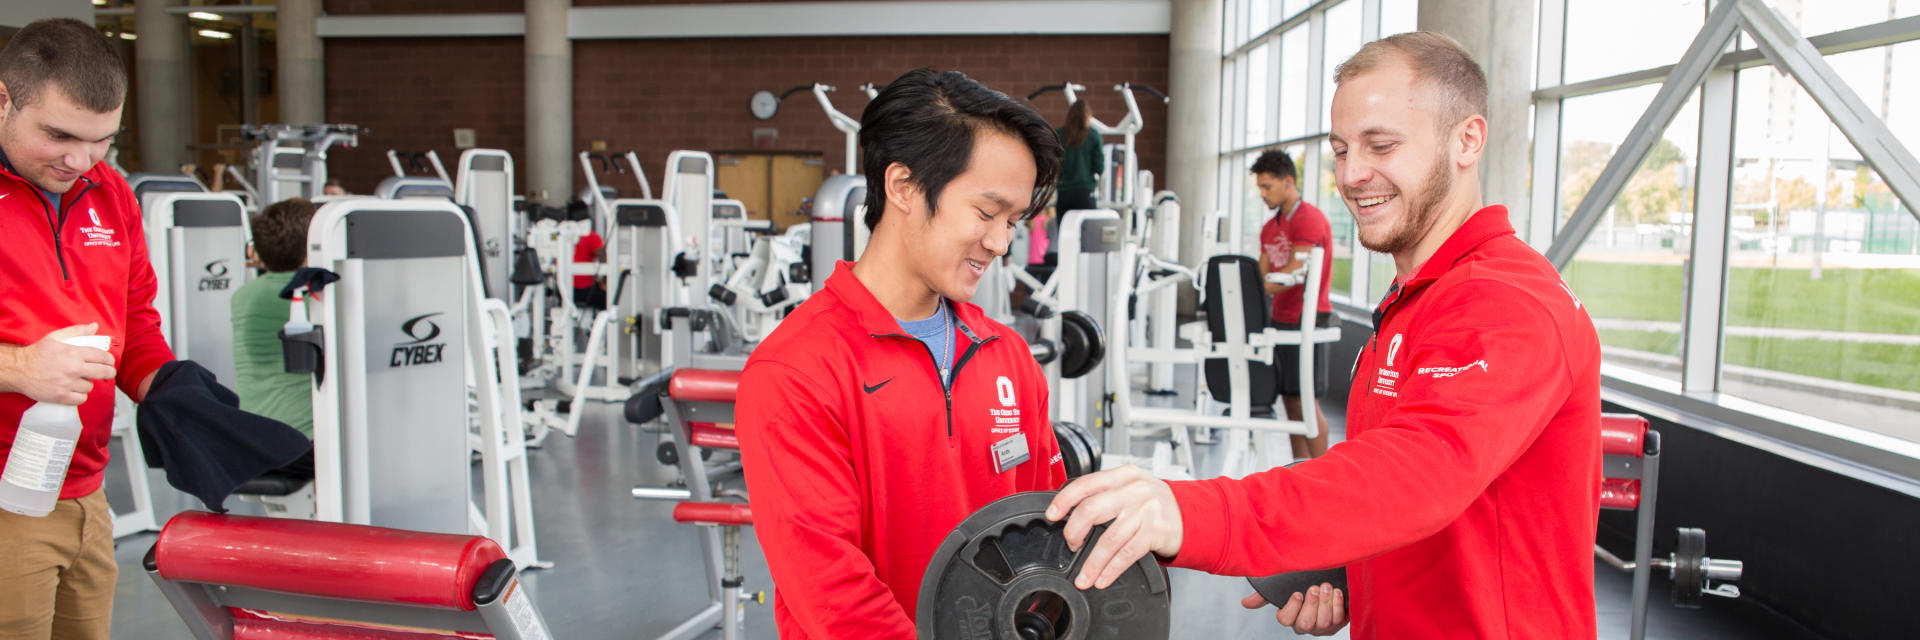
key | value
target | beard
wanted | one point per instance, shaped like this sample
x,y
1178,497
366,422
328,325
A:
x,y
1421,211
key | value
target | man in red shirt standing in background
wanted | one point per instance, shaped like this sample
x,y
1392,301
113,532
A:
x,y
75,264
1295,228
1464,501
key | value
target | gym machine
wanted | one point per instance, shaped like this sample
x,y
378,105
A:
x,y
197,243
485,188
291,161
242,577
407,185
1630,482
837,232
398,347
1234,348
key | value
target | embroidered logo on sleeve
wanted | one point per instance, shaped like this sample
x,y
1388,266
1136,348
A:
x,y
1448,372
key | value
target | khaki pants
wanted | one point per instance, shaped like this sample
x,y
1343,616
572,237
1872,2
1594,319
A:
x,y
57,572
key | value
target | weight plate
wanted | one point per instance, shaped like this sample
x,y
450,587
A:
x,y
1083,343
1094,448
1005,574
1087,464
1070,456
1277,589
1689,568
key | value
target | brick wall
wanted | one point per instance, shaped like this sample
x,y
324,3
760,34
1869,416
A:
x,y
412,94
655,96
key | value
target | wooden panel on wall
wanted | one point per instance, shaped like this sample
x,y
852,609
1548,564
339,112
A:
x,y
744,176
794,179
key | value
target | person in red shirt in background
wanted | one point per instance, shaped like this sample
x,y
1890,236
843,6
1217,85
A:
x,y
1464,501
75,264
1296,226
886,408
589,290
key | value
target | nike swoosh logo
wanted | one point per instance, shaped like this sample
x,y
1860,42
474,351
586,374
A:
x,y
873,388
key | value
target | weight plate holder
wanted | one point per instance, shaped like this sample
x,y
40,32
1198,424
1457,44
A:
x,y
1005,573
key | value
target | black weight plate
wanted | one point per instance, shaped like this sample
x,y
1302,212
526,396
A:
x,y
1689,568
1073,350
1277,589
1080,449
1083,342
1094,449
1070,457
1007,555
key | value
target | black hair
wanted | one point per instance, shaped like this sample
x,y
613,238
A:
x,y
1275,163
69,55
927,120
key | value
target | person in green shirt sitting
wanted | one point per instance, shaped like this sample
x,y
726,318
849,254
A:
x,y
264,386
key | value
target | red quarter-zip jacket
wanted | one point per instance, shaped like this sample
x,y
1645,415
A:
x,y
860,461
1464,501
85,262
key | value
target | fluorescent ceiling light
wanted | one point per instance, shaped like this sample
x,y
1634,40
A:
x,y
128,36
202,15
217,35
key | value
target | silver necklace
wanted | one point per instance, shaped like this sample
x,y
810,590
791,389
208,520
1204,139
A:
x,y
946,337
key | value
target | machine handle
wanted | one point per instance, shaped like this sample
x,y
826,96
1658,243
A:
x,y
1156,92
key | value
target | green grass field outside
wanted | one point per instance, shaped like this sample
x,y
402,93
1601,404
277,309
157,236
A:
x,y
1845,300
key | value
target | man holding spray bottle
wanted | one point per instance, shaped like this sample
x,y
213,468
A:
x,y
74,265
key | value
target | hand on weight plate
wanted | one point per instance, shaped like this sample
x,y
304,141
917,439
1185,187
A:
x,y
1321,611
1140,513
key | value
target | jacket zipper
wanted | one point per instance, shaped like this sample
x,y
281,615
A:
x,y
1380,317
56,226
946,386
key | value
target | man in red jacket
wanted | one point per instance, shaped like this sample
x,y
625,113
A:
x,y
885,409
1464,501
75,264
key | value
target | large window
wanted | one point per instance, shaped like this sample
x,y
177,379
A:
x,y
1277,94
1811,303
1629,272
1823,292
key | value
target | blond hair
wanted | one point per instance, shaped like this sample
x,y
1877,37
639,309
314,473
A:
x,y
1438,61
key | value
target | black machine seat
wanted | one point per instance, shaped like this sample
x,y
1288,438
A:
x,y
274,483
1262,387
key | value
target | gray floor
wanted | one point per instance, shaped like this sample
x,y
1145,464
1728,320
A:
x,y
623,569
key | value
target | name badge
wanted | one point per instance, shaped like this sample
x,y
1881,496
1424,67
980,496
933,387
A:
x,y
1010,452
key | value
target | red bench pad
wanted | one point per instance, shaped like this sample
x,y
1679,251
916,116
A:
x,y
712,436
1623,434
725,513
327,559
704,385
1620,493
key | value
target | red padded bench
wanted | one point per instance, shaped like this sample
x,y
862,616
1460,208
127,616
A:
x,y
237,577
1629,480
695,403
